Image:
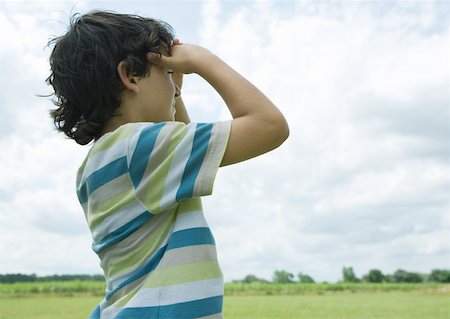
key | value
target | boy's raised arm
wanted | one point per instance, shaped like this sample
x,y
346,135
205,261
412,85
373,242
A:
x,y
257,127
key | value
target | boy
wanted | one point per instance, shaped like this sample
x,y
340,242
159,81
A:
x,y
117,81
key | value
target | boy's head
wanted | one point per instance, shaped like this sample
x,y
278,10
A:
x,y
84,67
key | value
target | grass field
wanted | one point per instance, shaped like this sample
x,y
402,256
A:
x,y
70,300
96,288
331,306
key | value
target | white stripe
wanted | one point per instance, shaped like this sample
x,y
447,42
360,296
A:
x,y
85,206
147,297
103,304
181,156
103,158
150,297
214,153
110,312
189,255
190,220
133,140
204,175
117,219
191,291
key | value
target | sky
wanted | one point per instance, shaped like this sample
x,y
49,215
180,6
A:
x,y
363,180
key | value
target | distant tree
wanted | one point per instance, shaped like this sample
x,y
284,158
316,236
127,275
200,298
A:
x,y
405,276
303,278
389,278
72,277
252,278
348,275
249,279
400,276
12,278
440,275
98,277
374,275
282,277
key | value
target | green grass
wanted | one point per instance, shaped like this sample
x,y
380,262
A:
x,y
76,299
47,307
396,305
323,288
339,306
61,288
96,288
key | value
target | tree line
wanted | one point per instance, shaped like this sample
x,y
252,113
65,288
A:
x,y
12,278
279,276
348,275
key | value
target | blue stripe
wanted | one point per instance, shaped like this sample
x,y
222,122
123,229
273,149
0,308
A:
x,y
82,194
102,176
95,314
141,154
199,147
141,271
122,232
191,237
184,310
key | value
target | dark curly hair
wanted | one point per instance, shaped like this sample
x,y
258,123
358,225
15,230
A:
x,y
83,63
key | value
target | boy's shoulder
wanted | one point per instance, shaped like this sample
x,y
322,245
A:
x,y
127,131
110,141
173,146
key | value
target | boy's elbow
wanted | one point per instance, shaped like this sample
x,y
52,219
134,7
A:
x,y
285,130
277,131
282,129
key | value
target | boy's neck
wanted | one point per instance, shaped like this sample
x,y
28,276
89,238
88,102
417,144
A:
x,y
120,117
112,124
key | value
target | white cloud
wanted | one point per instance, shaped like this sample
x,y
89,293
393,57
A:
x,y
368,153
46,253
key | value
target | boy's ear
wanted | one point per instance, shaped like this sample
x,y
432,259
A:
x,y
130,82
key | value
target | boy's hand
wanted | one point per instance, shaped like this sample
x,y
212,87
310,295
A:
x,y
184,58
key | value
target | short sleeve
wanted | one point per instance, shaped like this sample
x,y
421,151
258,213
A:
x,y
172,161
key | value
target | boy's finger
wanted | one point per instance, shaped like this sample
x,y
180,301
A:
x,y
159,59
153,57
177,42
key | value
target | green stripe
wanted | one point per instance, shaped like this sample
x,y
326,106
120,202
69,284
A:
x,y
109,206
124,300
190,205
152,200
183,274
81,168
121,133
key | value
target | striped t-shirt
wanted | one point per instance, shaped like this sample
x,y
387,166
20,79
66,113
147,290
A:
x,y
140,189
